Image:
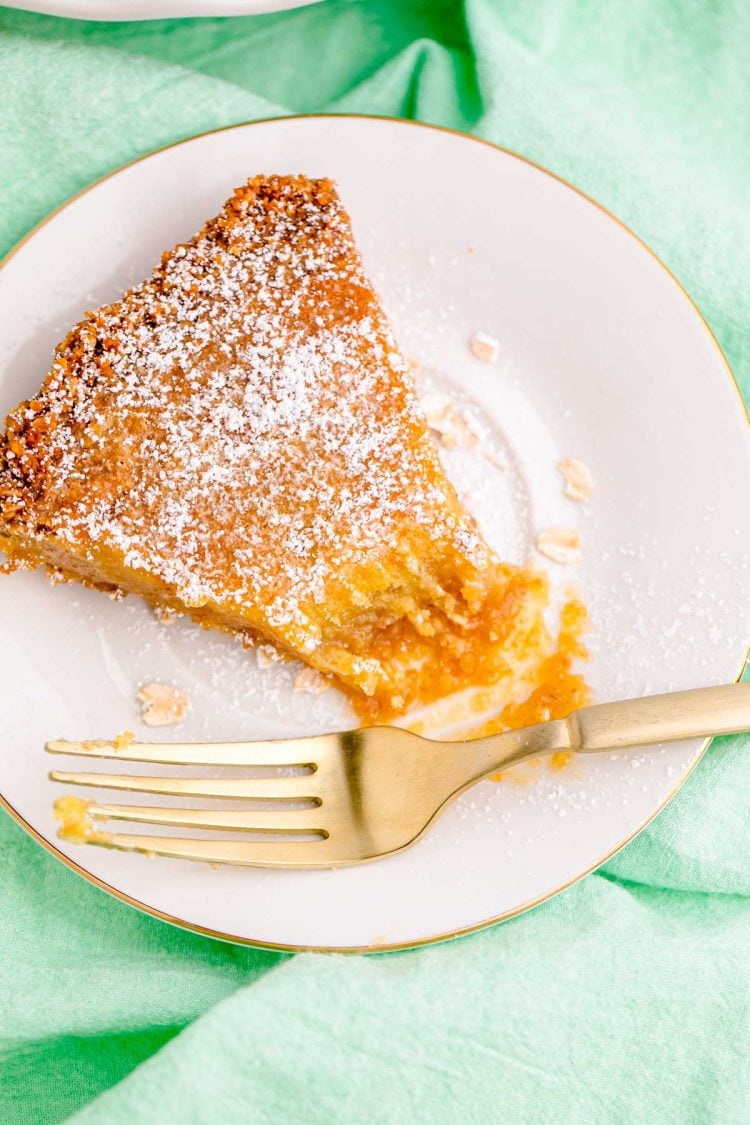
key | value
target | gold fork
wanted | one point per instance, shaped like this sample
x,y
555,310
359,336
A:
x,y
366,793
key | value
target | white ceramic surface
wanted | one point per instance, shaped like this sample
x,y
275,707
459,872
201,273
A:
x,y
602,357
154,9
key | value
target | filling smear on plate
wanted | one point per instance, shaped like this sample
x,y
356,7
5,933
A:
x,y
238,439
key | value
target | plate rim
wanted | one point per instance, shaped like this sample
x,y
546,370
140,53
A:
x,y
435,939
129,12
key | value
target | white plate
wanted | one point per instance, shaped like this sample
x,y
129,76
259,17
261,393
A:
x,y
602,357
154,9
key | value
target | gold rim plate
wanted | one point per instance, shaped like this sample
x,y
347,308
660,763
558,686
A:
x,y
446,936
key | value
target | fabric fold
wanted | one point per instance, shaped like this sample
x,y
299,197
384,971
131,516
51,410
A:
x,y
627,997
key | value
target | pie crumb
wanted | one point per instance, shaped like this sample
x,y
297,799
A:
x,y
266,655
123,740
484,347
579,482
310,680
164,615
561,544
495,457
455,428
77,822
162,704
451,424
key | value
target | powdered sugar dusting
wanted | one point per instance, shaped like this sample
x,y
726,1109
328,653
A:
x,y
263,424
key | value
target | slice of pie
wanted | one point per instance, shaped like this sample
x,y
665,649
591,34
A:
x,y
238,439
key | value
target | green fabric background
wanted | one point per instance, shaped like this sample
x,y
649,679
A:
x,y
625,999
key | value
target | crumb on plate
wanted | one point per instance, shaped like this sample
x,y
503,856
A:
x,y
452,425
484,347
162,704
495,457
76,822
561,544
268,654
310,680
122,740
579,482
165,615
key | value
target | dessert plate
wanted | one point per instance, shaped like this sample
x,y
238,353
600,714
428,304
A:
x,y
154,9
600,356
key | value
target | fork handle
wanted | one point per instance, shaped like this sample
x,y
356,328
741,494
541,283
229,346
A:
x,y
699,713
661,718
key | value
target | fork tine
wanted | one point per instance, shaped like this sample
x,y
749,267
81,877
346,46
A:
x,y
245,853
260,820
284,752
296,788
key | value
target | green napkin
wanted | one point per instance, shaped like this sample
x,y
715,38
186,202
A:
x,y
627,998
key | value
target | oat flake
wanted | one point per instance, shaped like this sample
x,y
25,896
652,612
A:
x,y
484,347
579,482
561,544
162,704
